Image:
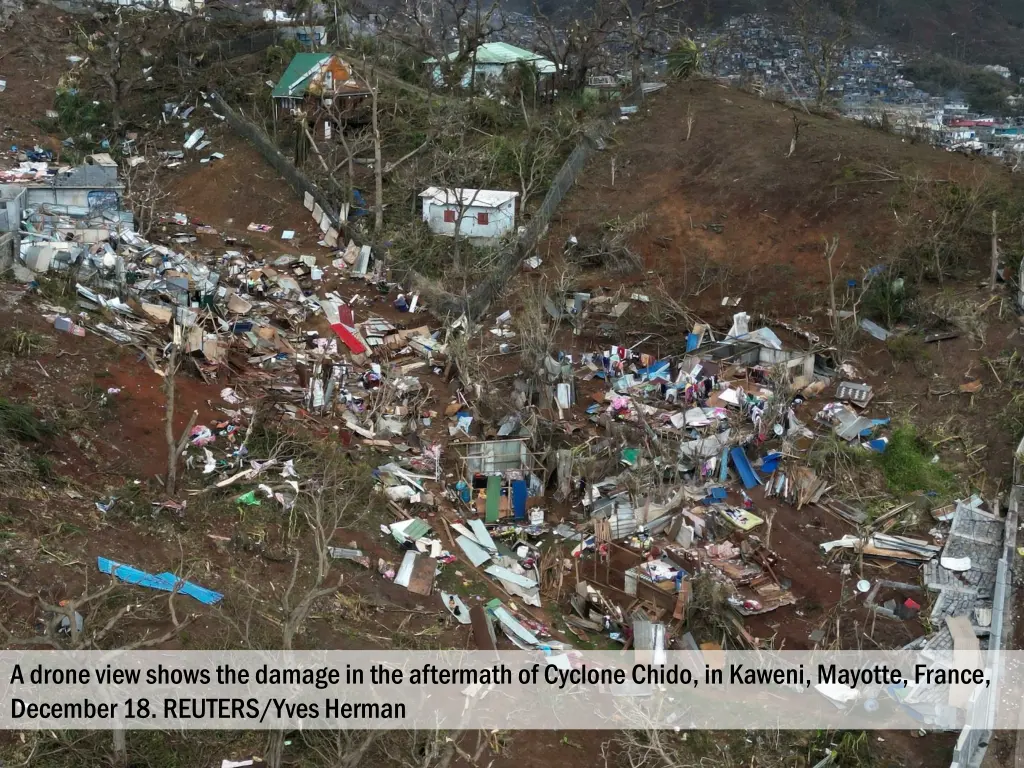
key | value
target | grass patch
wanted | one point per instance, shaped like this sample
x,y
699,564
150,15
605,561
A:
x,y
44,468
19,421
21,342
906,347
907,465
60,291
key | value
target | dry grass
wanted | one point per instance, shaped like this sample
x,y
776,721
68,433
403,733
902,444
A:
x,y
21,342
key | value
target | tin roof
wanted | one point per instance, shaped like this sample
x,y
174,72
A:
x,y
483,198
504,54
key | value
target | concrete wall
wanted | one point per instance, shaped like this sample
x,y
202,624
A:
x,y
488,71
500,222
12,204
9,244
73,197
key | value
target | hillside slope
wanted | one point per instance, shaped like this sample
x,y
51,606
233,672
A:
x,y
983,32
732,207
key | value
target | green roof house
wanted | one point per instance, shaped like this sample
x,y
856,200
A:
x,y
319,83
493,61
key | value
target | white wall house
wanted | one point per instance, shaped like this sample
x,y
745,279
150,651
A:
x,y
486,214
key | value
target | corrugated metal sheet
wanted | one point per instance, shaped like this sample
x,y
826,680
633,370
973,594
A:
x,y
476,554
849,428
623,523
508,621
511,576
649,636
413,530
405,570
482,536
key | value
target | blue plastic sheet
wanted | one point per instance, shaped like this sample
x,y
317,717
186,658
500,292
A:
x,y
165,582
743,468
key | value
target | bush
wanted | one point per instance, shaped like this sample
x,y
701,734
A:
x,y
20,422
906,347
887,298
907,464
78,116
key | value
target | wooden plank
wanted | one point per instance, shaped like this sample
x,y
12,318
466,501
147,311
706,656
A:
x,y
681,600
422,580
966,654
482,631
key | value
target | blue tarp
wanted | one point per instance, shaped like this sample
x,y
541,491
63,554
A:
x,y
165,582
692,341
742,465
716,494
359,207
658,370
770,462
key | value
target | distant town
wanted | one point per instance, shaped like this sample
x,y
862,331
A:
x,y
869,85
762,53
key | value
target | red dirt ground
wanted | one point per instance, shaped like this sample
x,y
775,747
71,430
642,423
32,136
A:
x,y
775,210
733,172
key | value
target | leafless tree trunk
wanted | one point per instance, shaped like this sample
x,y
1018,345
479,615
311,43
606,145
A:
x,y
796,135
823,48
85,622
995,253
378,166
175,446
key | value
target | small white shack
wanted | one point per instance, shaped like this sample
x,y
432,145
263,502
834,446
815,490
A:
x,y
485,214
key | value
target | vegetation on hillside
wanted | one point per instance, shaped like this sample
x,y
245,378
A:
x,y
984,91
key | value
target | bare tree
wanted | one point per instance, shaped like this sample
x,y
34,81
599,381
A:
x,y
535,153
167,372
796,135
336,495
578,46
640,25
143,188
447,31
378,163
123,52
97,619
823,37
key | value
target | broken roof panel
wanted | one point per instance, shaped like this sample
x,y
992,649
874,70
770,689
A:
x,y
509,622
409,530
482,536
504,574
497,52
477,555
860,394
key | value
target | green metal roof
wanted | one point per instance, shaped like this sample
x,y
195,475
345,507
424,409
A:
x,y
498,53
300,65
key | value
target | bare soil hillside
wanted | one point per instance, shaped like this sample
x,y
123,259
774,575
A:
x,y
731,202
